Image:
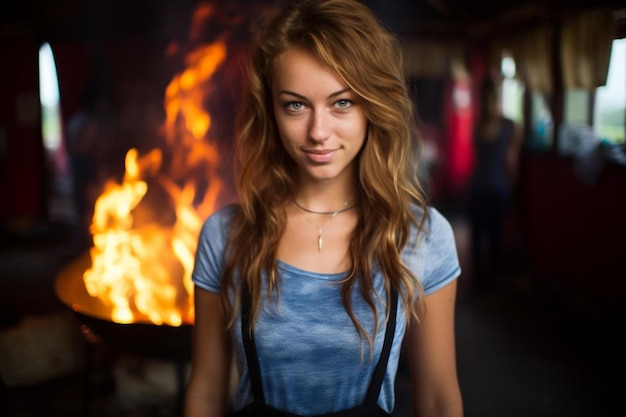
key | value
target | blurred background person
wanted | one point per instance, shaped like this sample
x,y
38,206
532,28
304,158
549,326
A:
x,y
496,141
88,131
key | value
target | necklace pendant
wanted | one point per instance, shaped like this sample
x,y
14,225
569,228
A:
x,y
320,241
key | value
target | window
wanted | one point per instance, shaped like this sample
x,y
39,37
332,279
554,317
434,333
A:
x,y
512,91
609,117
51,131
575,133
49,99
542,122
576,107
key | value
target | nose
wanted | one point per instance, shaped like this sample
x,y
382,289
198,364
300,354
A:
x,y
319,130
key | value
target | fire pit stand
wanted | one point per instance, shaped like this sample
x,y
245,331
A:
x,y
145,340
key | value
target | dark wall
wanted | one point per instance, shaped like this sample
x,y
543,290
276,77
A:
x,y
575,230
22,171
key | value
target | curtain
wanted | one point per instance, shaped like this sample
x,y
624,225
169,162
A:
x,y
432,59
586,41
532,51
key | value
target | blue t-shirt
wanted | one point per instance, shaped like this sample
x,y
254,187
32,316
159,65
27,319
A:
x,y
311,357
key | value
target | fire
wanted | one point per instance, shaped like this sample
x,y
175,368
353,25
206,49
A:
x,y
145,228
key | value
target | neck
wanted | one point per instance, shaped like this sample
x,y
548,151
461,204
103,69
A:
x,y
327,194
324,197
345,207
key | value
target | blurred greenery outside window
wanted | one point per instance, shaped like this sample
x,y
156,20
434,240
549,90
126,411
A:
x,y
609,117
576,107
609,112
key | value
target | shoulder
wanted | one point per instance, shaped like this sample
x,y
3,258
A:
x,y
435,223
219,220
508,121
210,253
432,253
508,125
215,229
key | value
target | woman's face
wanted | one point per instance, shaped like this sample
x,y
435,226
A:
x,y
320,121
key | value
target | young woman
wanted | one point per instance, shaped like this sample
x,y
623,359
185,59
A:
x,y
332,259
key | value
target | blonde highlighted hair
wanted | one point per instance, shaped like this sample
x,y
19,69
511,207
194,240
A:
x,y
348,38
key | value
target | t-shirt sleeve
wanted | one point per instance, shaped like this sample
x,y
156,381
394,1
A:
x,y
209,260
440,257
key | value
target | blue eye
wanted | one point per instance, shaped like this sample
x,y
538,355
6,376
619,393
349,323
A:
x,y
294,106
343,103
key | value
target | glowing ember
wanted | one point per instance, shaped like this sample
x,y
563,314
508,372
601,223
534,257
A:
x,y
145,229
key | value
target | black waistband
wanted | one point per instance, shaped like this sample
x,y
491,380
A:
x,y
254,368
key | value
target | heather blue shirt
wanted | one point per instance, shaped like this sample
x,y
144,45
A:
x,y
312,360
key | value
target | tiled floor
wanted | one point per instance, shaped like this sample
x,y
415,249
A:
x,y
521,351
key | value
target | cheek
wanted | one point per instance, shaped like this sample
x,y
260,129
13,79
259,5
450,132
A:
x,y
291,131
359,132
283,135
287,138
280,129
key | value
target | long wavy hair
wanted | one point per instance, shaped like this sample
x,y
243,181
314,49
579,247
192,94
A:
x,y
348,38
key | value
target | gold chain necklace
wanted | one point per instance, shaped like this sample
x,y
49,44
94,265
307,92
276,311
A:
x,y
331,214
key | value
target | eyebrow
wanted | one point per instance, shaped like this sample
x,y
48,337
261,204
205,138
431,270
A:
x,y
335,94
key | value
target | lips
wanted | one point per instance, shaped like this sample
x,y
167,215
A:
x,y
320,156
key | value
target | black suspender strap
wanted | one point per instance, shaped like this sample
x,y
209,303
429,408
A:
x,y
250,347
381,367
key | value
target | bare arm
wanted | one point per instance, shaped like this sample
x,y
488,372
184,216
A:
x,y
207,392
431,353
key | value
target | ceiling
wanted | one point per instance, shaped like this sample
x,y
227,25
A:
x,y
462,18
77,20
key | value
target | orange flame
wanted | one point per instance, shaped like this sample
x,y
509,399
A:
x,y
142,264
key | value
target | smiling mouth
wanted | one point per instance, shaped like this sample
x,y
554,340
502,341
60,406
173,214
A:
x,y
320,156
319,151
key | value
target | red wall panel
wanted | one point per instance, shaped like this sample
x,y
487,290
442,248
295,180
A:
x,y
22,162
